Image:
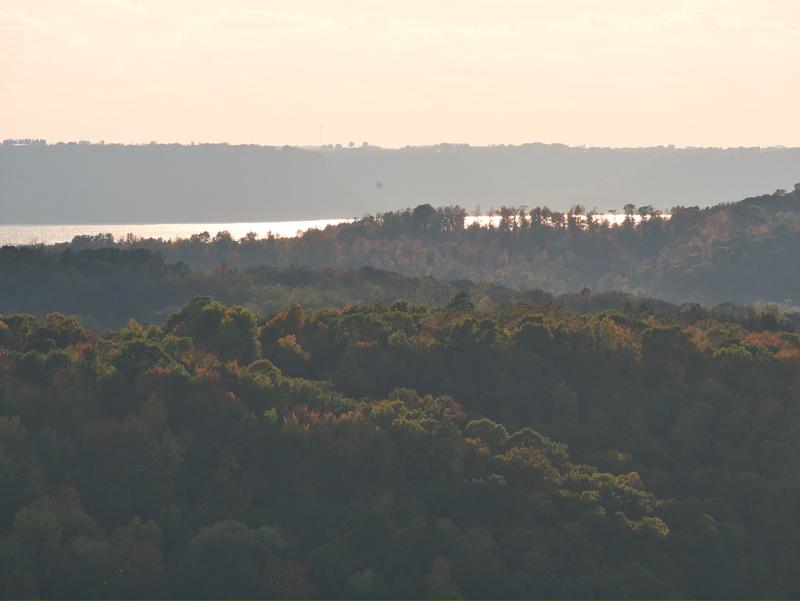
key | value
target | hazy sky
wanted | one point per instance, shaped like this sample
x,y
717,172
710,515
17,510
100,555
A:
x,y
397,72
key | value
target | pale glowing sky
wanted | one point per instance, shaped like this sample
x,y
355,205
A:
x,y
397,72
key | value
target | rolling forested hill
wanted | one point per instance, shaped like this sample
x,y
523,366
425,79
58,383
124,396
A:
x,y
110,183
294,420
744,252
106,287
399,451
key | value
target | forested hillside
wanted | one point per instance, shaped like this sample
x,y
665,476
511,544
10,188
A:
x,y
106,287
265,334
154,183
287,418
399,451
744,252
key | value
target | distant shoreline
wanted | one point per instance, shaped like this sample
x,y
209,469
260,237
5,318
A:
x,y
21,143
155,184
49,234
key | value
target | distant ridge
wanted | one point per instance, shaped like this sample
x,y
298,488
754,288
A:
x,y
152,183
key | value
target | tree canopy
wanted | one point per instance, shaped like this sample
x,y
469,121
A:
x,y
742,252
400,451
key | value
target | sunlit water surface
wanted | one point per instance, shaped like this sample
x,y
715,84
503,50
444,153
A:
x,y
54,234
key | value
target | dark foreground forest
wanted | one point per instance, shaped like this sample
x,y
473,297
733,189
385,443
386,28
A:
x,y
401,451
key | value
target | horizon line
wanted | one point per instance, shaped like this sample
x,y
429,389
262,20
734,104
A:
x,y
24,142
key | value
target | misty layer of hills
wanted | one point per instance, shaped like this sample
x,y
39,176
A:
x,y
94,183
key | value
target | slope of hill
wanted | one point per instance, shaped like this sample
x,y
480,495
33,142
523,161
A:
x,y
744,252
107,287
398,452
84,183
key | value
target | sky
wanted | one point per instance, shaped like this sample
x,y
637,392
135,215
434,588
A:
x,y
402,72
